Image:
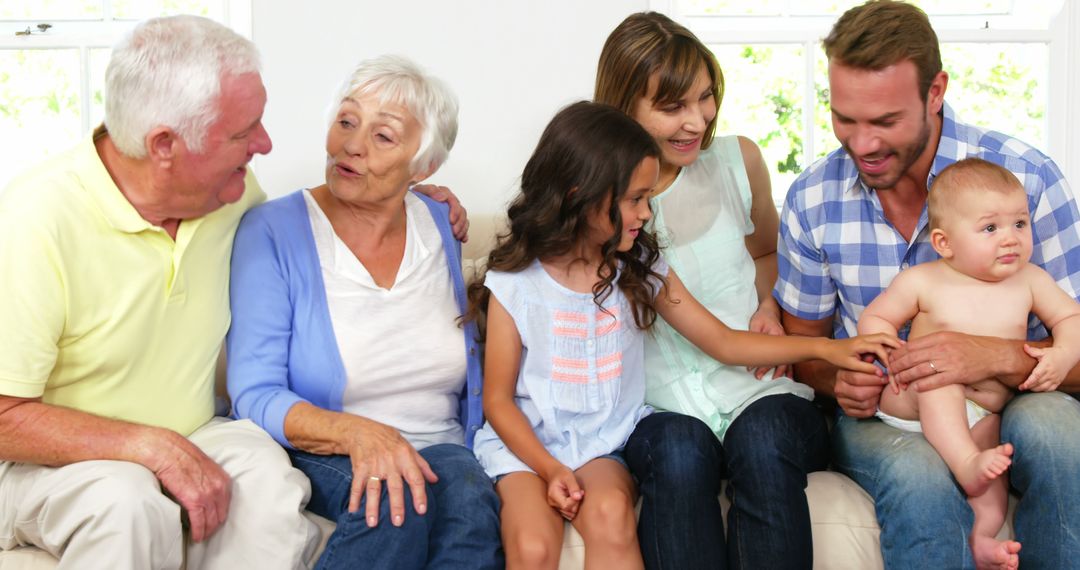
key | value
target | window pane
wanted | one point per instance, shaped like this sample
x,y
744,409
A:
x,y
764,102
99,59
39,106
936,7
140,9
731,7
50,10
1000,86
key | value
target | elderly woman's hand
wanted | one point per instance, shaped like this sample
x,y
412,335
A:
x,y
459,218
380,455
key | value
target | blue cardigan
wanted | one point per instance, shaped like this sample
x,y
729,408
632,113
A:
x,y
281,346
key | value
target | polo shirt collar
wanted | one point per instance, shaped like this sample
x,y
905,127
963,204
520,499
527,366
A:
x,y
98,183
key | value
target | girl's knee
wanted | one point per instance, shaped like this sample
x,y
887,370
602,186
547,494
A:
x,y
609,518
532,548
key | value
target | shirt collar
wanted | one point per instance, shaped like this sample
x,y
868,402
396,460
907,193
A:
x,y
99,184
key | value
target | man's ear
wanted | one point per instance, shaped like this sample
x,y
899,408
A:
x,y
939,240
935,96
162,144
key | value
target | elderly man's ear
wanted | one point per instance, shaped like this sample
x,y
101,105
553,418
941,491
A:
x,y
939,240
162,144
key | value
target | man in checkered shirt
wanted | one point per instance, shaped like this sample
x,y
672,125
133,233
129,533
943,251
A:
x,y
851,223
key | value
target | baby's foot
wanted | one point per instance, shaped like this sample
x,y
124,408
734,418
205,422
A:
x,y
983,468
993,554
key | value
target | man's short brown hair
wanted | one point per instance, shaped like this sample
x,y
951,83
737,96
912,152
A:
x,y
881,33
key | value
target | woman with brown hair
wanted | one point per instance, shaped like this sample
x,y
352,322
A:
x,y
714,214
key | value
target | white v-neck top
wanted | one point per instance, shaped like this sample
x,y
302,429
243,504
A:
x,y
402,346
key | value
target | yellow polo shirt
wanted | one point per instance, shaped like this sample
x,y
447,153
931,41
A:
x,y
103,312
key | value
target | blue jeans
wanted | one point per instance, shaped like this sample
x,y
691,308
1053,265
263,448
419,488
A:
x,y
924,516
767,452
460,529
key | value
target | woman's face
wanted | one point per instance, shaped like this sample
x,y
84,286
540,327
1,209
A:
x,y
369,149
678,126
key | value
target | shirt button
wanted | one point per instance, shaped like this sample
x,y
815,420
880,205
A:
x,y
475,428
476,392
904,265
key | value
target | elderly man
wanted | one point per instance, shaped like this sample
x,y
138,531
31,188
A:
x,y
856,219
113,309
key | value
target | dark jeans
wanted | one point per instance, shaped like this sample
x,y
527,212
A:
x,y
460,529
767,452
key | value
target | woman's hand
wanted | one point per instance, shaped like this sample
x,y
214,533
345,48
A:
x,y
766,320
564,492
381,456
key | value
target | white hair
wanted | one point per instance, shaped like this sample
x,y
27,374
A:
x,y
167,72
397,79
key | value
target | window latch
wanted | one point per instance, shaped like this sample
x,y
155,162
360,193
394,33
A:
x,y
41,29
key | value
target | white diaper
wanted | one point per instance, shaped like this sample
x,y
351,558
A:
x,y
975,413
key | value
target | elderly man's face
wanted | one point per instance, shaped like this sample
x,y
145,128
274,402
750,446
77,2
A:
x,y
205,181
880,119
369,149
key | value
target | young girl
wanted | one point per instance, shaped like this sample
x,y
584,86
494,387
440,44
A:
x,y
715,218
569,291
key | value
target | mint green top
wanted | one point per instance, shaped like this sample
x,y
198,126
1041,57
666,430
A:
x,y
702,221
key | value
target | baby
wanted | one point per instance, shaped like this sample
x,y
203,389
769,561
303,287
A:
x,y
982,285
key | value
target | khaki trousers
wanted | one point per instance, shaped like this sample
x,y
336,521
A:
x,y
112,514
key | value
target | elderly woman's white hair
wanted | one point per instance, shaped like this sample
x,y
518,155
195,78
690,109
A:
x,y
398,80
167,72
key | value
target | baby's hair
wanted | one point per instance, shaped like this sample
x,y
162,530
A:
x,y
586,155
969,174
646,43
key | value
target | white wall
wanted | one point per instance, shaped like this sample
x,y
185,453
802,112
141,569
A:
x,y
512,63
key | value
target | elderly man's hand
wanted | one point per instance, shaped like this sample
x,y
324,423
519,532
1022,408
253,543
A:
x,y
196,482
942,358
380,455
459,218
858,393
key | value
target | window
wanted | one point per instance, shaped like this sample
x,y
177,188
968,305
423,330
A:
x,y
1005,61
53,55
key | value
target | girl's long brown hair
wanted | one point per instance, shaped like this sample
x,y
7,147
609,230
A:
x,y
586,155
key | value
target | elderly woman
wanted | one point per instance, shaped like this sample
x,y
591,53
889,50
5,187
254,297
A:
x,y
345,344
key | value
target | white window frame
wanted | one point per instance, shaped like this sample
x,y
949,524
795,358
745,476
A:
x,y
86,35
1062,39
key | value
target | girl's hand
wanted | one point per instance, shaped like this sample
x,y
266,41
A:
x,y
381,456
767,321
565,492
848,353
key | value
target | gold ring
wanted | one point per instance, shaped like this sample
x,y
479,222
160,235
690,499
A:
x,y
932,367
375,479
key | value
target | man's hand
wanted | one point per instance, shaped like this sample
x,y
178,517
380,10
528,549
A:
x,y
858,393
459,218
196,482
942,358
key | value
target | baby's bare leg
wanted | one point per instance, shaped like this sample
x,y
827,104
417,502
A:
x,y
990,508
943,415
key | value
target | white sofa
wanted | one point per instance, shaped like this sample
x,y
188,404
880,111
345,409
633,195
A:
x,y
845,529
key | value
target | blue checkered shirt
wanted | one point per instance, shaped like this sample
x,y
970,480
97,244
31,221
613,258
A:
x,y
836,247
